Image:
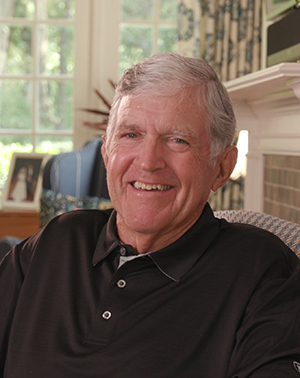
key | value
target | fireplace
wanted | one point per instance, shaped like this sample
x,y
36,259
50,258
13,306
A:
x,y
267,106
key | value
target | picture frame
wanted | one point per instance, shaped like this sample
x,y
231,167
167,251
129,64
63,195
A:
x,y
275,7
23,186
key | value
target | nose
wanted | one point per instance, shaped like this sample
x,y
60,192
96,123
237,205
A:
x,y
152,156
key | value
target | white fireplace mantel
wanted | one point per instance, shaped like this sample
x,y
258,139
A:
x,y
267,104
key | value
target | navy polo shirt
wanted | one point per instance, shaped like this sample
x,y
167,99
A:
x,y
222,301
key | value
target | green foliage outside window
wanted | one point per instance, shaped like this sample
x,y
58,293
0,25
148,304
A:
x,y
137,9
169,10
137,33
15,105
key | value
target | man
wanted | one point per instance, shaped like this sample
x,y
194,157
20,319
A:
x,y
157,287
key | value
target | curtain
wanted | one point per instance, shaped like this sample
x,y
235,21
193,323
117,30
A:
x,y
229,197
225,33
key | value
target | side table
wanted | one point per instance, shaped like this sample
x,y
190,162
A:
x,y
20,224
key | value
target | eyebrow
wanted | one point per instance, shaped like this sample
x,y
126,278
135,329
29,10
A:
x,y
182,132
130,127
185,133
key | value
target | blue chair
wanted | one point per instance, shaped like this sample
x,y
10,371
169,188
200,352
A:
x,y
74,180
79,173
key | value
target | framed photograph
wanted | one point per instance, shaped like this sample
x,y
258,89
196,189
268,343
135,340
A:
x,y
24,183
276,7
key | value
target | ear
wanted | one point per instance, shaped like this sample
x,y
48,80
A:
x,y
104,150
224,166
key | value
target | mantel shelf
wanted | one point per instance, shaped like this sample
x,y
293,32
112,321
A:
x,y
261,84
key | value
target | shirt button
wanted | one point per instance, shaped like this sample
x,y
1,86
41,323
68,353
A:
x,y
106,315
123,251
121,284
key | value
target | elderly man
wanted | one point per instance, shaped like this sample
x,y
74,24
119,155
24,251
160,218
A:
x,y
157,287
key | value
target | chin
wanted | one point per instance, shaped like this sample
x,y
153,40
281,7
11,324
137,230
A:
x,y
145,222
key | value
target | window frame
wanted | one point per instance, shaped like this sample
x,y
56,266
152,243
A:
x,y
80,78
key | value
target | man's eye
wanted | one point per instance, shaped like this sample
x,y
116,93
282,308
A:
x,y
179,141
130,135
178,144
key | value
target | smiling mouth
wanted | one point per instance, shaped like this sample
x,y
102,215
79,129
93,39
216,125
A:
x,y
141,186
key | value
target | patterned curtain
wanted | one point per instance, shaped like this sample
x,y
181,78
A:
x,y
225,33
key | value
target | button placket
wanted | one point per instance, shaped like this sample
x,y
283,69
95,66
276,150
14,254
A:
x,y
115,301
103,325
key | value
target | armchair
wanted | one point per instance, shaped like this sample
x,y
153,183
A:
x,y
74,180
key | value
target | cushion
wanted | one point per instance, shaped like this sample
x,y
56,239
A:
x,y
53,204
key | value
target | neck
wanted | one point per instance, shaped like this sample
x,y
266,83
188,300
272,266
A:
x,y
145,242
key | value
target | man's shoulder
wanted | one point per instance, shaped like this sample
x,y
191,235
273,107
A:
x,y
64,235
82,218
255,243
83,224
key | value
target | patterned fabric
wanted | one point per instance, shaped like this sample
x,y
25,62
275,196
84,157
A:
x,y
53,204
230,196
225,33
288,232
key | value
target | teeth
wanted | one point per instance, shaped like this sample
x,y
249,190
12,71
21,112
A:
x,y
141,185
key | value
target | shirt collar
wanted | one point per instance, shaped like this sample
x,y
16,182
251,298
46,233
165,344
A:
x,y
174,260
108,239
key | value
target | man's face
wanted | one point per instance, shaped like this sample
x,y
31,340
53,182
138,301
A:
x,y
158,171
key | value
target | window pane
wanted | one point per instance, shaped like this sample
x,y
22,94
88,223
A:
x,y
54,144
169,10
15,104
137,9
8,145
136,44
15,50
55,105
167,40
17,143
17,8
56,54
56,9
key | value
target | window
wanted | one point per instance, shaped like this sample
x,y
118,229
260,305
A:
x,y
36,76
146,27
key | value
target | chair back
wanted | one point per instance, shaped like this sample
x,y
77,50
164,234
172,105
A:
x,y
79,173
